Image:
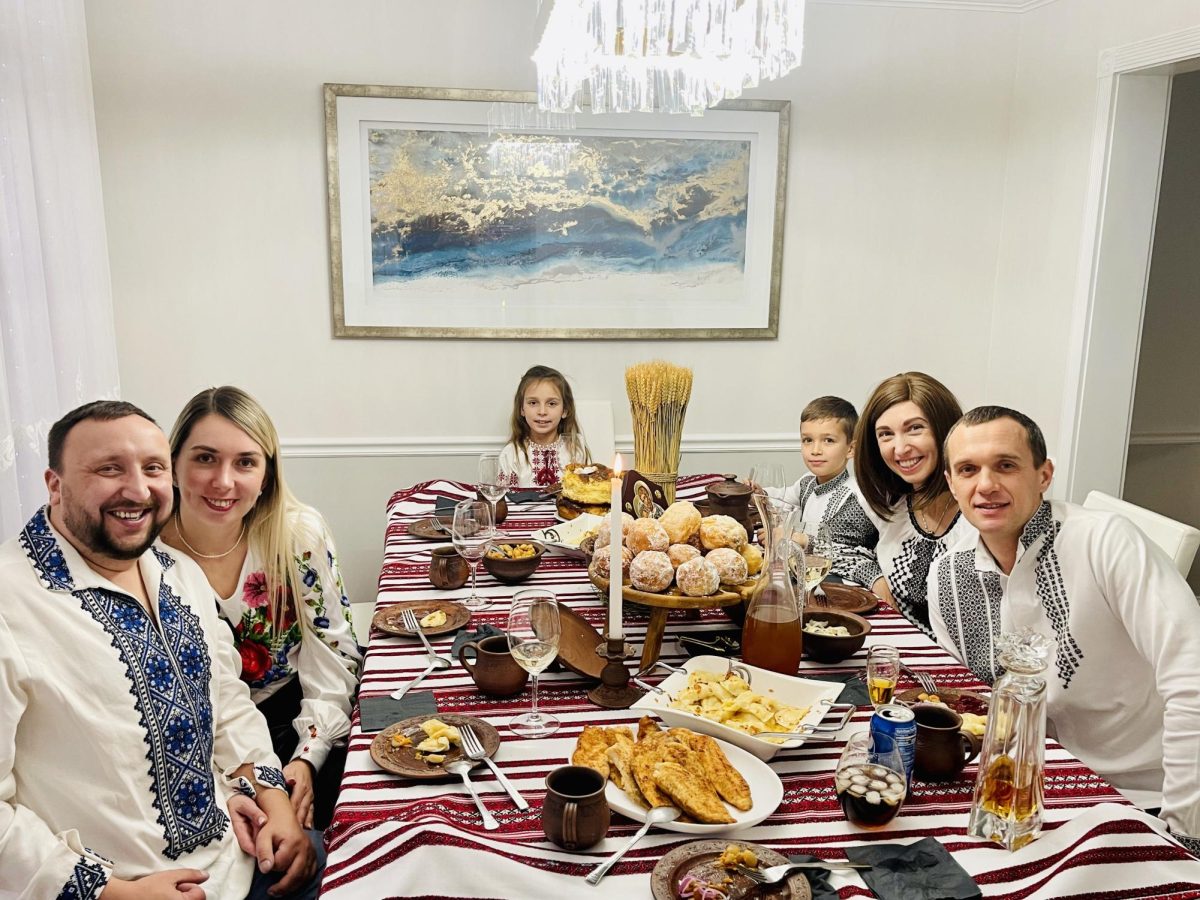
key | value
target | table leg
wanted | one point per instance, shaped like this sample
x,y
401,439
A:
x,y
654,636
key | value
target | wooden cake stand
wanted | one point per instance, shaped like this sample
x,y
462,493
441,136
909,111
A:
x,y
661,604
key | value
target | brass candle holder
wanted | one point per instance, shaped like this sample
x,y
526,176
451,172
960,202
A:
x,y
614,690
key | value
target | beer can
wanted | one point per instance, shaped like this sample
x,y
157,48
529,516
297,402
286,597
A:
x,y
899,723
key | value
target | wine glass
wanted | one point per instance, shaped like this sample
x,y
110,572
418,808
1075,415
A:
x,y
817,542
473,529
766,475
491,485
870,780
533,633
883,672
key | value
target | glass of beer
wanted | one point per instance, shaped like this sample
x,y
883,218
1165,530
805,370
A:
x,y
883,671
869,780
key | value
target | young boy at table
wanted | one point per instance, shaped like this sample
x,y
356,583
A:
x,y
828,495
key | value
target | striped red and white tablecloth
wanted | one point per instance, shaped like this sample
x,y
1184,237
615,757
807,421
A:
x,y
396,838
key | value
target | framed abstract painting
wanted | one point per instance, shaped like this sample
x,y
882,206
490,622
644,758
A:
x,y
467,214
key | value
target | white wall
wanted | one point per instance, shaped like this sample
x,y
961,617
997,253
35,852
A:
x,y
1162,475
212,147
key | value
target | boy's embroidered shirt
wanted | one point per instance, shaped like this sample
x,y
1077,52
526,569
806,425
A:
x,y
1121,684
116,723
320,650
836,504
541,466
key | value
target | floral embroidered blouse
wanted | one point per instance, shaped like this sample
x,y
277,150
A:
x,y
319,648
544,465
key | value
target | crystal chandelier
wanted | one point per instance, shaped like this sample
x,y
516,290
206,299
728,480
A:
x,y
663,55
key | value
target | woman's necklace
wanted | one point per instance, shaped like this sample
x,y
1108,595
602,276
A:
x,y
923,518
195,552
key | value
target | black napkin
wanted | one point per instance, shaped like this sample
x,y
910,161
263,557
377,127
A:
x,y
525,496
855,690
445,504
377,713
465,637
818,879
921,871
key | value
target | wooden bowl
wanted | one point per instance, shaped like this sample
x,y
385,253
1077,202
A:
x,y
827,648
514,571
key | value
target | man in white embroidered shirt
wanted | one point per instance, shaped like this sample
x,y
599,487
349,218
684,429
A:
x,y
1122,693
126,731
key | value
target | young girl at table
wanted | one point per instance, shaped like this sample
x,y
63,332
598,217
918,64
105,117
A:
x,y
545,436
900,474
270,560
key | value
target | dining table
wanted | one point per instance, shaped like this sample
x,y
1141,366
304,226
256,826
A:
x,y
395,837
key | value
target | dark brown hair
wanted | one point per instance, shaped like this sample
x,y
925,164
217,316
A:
x,y
981,415
568,425
880,486
832,408
104,410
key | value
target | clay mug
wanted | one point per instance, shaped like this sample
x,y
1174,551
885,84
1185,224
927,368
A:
x,y
501,507
494,670
575,813
943,748
447,569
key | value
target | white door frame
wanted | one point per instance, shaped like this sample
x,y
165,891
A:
x,y
1134,92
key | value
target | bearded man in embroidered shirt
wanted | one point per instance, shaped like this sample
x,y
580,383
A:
x,y
125,726
1122,693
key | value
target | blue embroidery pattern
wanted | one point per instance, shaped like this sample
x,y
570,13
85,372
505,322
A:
x,y
88,879
269,776
169,676
41,547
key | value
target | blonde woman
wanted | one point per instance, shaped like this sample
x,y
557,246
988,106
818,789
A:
x,y
271,562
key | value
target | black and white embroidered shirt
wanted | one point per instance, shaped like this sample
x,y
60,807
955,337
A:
x,y
119,729
836,504
906,552
1124,625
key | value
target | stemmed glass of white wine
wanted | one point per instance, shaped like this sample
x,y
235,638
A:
x,y
473,530
533,634
491,485
817,541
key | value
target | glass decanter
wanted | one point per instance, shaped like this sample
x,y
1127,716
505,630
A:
x,y
771,635
1007,806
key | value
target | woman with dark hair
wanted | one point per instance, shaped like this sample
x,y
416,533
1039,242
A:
x,y
899,469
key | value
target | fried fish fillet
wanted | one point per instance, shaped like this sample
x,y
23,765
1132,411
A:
x,y
646,754
620,770
694,795
592,749
646,726
720,772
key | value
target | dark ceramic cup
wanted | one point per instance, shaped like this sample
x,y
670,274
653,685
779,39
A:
x,y
494,670
575,814
943,748
448,570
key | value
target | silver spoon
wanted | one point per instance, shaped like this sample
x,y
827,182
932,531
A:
x,y
657,816
462,768
435,662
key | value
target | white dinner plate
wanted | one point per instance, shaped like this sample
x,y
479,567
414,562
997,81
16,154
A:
x,y
564,539
766,790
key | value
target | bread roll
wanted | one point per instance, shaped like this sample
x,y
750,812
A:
x,y
753,556
722,531
604,532
651,571
698,577
646,534
681,553
681,520
729,565
600,561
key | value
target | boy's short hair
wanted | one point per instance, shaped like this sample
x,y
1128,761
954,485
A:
x,y
832,408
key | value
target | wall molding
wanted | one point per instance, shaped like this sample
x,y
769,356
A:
x,y
472,445
1164,49
1163,438
1001,6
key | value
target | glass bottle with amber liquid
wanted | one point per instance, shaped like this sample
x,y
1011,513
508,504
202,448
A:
x,y
771,635
1007,806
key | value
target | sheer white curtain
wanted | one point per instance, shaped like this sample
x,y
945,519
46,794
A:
x,y
57,346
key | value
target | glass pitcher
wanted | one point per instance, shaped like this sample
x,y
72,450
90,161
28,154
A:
x,y
771,635
1007,806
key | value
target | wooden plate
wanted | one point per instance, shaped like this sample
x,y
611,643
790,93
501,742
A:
x,y
953,697
388,619
847,597
674,598
403,760
577,644
698,857
427,529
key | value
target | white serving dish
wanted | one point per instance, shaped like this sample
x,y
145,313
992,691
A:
x,y
819,696
766,793
563,540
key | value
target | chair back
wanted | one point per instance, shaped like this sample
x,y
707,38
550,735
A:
x,y
596,419
1177,539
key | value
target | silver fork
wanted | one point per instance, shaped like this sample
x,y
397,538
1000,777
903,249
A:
x,y
776,874
474,749
409,618
924,679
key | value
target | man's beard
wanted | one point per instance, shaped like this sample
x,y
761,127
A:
x,y
91,532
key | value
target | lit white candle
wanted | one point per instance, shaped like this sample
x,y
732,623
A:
x,y
615,569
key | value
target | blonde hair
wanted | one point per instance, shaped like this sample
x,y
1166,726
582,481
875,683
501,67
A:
x,y
568,425
272,525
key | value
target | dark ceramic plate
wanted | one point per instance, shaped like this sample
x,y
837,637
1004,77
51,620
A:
x,y
428,529
390,619
404,761
961,701
697,859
